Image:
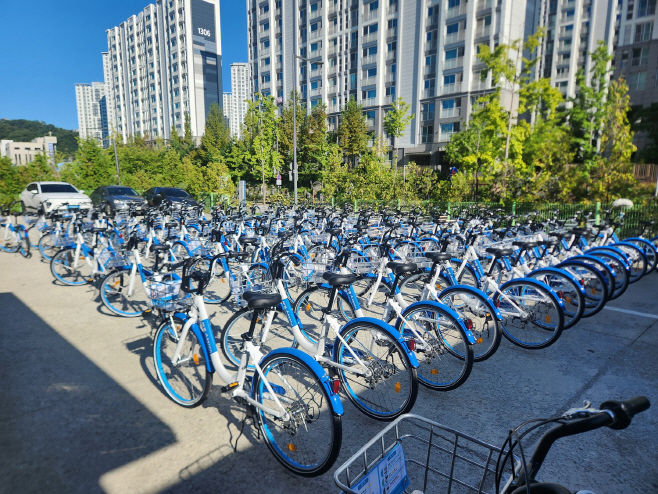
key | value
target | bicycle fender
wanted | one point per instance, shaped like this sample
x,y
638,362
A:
x,y
184,245
633,246
475,291
596,260
334,399
561,272
386,328
610,249
201,337
532,281
450,311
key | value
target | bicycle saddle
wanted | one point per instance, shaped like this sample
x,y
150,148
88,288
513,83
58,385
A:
x,y
498,252
171,224
338,279
257,300
335,231
98,229
438,256
248,240
204,222
524,245
159,248
402,267
560,235
550,242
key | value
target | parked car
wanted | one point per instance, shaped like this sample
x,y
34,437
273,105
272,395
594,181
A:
x,y
52,195
169,195
116,197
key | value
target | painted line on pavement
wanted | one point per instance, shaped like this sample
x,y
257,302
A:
x,y
642,314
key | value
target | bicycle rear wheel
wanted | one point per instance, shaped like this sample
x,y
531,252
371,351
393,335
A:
x,y
532,316
64,268
567,289
218,289
591,279
445,356
308,441
391,388
186,381
48,246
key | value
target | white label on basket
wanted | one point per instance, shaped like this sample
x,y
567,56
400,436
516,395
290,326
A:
x,y
389,476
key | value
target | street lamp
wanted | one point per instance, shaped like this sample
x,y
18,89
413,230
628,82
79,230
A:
x,y
294,120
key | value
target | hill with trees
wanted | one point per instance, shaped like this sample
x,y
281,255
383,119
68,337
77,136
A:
x,y
26,130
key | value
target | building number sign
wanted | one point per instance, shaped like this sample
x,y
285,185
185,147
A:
x,y
204,32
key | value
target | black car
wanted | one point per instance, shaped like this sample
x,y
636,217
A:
x,y
169,195
116,197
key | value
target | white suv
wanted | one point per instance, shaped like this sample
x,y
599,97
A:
x,y
52,195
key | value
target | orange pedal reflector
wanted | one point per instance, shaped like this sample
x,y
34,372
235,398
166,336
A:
x,y
434,372
292,447
593,290
223,280
479,340
547,318
195,357
568,299
398,387
308,307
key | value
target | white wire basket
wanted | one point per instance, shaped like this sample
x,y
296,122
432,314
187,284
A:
x,y
364,262
314,268
110,258
259,281
435,459
167,295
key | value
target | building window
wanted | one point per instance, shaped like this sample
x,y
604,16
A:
x,y
640,56
646,7
390,91
637,81
643,31
427,134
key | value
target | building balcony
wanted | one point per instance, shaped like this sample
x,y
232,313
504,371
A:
x,y
429,93
390,55
369,60
427,116
427,138
263,52
451,88
445,136
392,9
430,3
429,69
430,45
332,29
333,9
450,112
332,50
316,92
391,32
315,35
370,102
390,99
370,16
568,4
454,37
453,63
484,31
315,53
369,81
431,21
263,17
458,10
333,109
370,122
370,38
390,77
478,85
315,73
484,4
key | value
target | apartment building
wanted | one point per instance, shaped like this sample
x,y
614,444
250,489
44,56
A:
x,y
91,100
22,153
636,56
161,64
376,50
573,29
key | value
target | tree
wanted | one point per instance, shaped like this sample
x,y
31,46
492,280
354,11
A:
x,y
216,137
353,133
645,120
396,121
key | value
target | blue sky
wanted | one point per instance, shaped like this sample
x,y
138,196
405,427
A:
x,y
47,46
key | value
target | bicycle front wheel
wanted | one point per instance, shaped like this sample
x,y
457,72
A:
x,y
117,297
186,380
382,382
71,271
218,289
445,356
48,246
307,441
532,316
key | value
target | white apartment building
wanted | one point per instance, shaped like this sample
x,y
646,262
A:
x,y
91,100
163,63
227,108
636,56
240,94
573,29
424,51
22,153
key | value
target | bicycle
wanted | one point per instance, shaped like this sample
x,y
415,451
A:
x,y
295,405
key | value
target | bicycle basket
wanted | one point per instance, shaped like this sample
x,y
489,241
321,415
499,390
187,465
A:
x,y
113,259
363,262
437,459
252,281
314,268
167,296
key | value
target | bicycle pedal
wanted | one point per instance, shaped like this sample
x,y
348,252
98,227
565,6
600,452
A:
x,y
227,388
147,313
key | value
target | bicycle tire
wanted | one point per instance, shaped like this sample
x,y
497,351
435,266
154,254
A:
x,y
484,325
544,320
309,306
188,383
309,444
114,294
639,262
567,289
48,246
394,375
593,281
218,289
61,266
279,335
622,270
25,245
649,251
10,244
445,356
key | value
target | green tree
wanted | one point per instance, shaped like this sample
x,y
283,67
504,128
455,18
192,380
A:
x,y
396,120
216,137
645,120
353,133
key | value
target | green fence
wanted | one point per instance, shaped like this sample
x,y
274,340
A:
x,y
598,211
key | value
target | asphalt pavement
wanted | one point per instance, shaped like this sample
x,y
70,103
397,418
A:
x,y
82,412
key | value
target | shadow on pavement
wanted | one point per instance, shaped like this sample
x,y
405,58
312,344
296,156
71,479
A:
x,y
63,421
